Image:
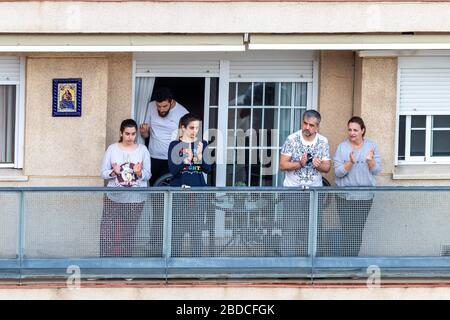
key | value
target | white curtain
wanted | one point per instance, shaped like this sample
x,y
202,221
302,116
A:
x,y
7,122
143,93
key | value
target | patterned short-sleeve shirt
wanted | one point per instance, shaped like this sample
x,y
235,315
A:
x,y
295,146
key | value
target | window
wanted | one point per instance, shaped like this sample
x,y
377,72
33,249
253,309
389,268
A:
x,y
11,112
7,123
424,138
423,110
260,117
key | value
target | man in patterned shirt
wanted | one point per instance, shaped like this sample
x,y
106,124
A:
x,y
304,157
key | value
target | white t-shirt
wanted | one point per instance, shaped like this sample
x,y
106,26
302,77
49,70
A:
x,y
163,130
127,178
294,147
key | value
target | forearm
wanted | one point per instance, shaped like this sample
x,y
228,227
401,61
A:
x,y
371,163
348,166
290,166
324,167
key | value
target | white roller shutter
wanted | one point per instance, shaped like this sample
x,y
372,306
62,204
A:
x,y
9,69
272,69
177,67
424,85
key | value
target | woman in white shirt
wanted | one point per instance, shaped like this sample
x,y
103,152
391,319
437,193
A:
x,y
126,164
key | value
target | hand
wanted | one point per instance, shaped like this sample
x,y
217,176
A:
x,y
144,129
317,162
138,169
352,157
189,157
370,155
116,168
303,160
199,151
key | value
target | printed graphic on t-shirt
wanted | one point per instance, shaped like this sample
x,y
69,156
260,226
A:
x,y
127,176
296,149
194,165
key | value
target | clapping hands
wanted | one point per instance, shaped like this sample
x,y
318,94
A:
x,y
138,169
370,155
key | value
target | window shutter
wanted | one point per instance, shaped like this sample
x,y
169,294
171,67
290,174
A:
x,y
177,67
271,69
424,85
9,69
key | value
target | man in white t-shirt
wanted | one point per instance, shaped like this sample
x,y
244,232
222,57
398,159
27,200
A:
x,y
161,126
305,155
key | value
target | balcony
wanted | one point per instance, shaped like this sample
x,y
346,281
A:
x,y
236,233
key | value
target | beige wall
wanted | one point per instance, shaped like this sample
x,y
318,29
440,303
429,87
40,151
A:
x,y
119,94
378,108
335,97
67,151
222,17
67,146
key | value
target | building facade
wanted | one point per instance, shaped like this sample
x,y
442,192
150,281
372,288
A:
x,y
249,69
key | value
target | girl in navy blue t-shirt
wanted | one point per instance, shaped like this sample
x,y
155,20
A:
x,y
192,211
187,162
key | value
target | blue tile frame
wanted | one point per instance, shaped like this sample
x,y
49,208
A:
x,y
75,113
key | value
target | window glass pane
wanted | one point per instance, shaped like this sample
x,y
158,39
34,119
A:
x,y
280,178
418,122
270,122
298,114
231,131
213,113
268,164
256,169
242,165
441,121
214,92
242,126
257,126
285,124
7,122
230,166
417,143
232,94
441,144
286,94
269,95
212,174
258,88
300,94
244,97
401,138
212,130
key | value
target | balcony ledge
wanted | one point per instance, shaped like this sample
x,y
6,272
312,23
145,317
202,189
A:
x,y
422,172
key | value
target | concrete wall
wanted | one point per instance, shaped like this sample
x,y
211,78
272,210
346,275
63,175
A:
x,y
223,17
335,97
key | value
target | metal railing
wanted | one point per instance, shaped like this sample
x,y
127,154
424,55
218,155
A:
x,y
225,232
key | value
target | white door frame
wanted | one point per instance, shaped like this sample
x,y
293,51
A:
x,y
224,80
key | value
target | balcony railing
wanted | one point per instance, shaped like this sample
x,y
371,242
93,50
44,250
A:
x,y
225,232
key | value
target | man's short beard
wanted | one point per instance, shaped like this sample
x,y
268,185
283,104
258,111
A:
x,y
163,115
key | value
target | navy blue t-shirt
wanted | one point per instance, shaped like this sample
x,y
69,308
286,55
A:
x,y
187,174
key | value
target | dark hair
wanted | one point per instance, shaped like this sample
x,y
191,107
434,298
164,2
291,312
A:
x,y
312,114
163,94
185,120
359,121
128,123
